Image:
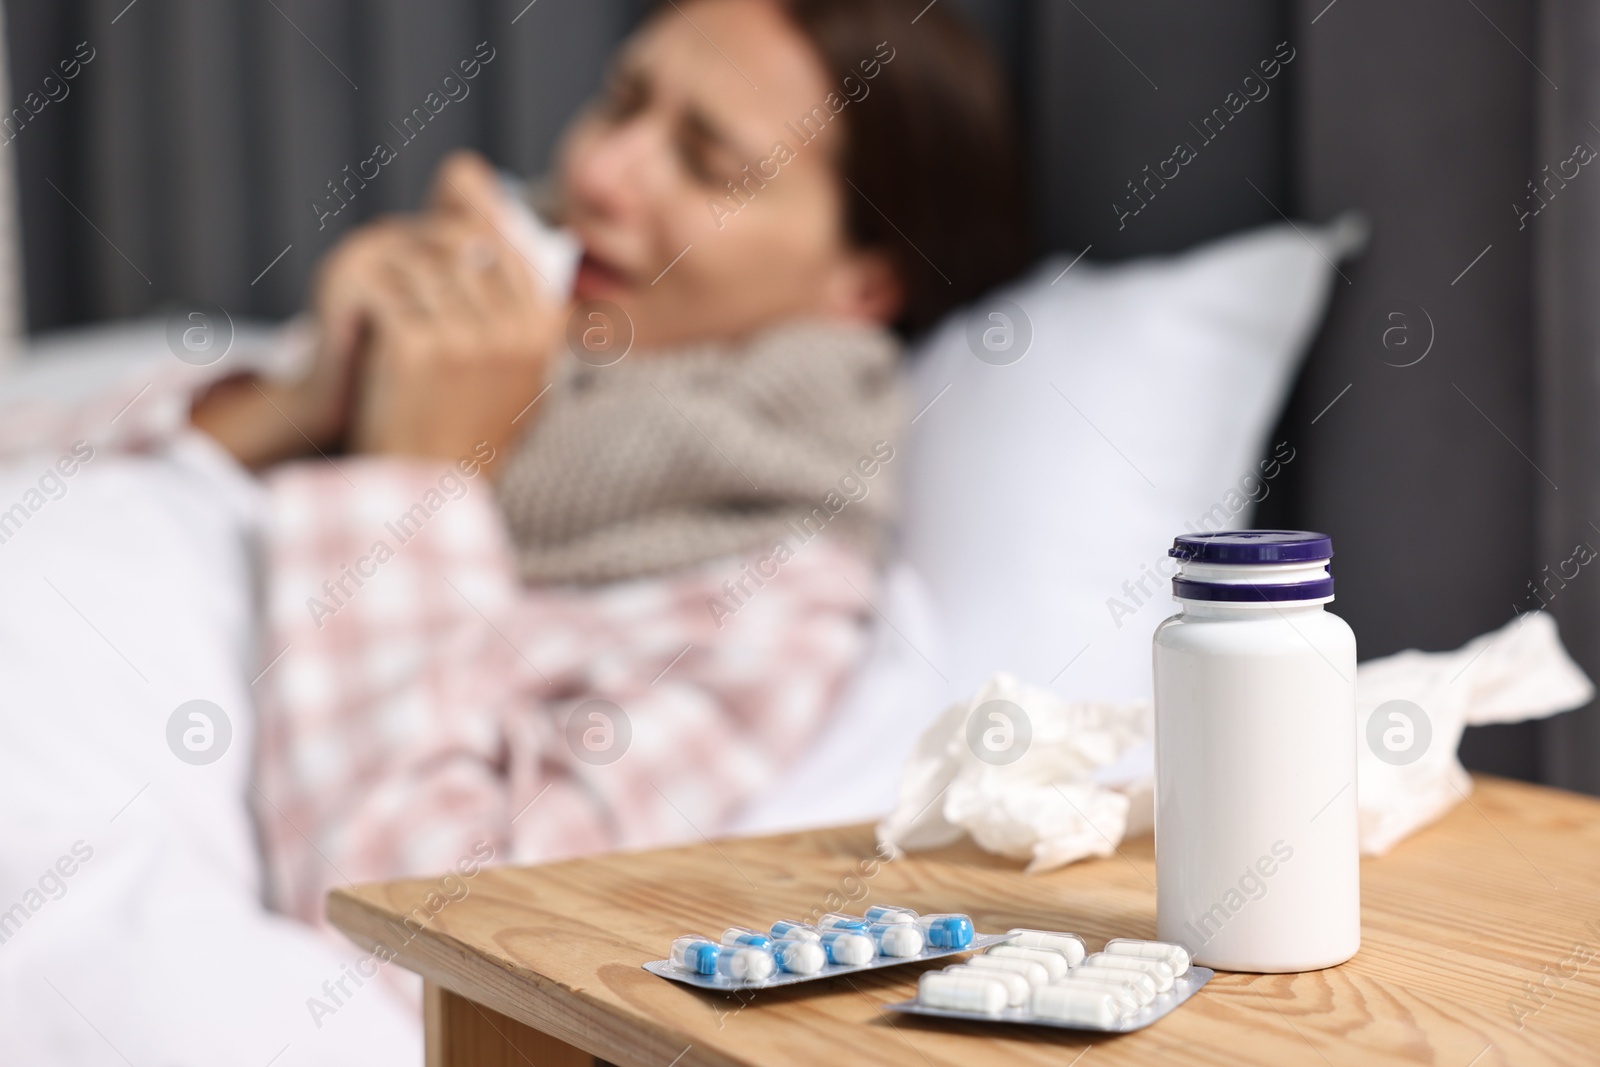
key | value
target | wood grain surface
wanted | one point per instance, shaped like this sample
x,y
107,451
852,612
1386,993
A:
x,y
462,1033
1480,947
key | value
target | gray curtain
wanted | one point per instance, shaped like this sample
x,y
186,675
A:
x,y
1565,242
196,142
1421,115
198,139
1458,485
192,147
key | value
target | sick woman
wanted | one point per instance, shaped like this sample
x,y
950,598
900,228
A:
x,y
558,571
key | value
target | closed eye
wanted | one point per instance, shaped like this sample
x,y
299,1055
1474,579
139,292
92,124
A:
x,y
625,96
706,153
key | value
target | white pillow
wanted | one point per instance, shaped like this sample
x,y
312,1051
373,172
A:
x,y
1022,520
1043,492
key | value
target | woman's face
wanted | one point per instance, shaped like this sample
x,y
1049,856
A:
x,y
708,93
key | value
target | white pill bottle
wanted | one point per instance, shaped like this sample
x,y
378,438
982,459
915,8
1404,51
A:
x,y
1257,855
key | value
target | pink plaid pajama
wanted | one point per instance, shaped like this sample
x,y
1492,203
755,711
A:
x,y
423,700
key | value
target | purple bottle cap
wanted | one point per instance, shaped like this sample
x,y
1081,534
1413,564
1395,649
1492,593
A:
x,y
1252,547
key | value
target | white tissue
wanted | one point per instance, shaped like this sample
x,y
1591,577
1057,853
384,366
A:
x,y
1518,672
553,253
1086,779
1047,806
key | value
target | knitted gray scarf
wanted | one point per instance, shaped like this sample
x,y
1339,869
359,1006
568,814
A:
x,y
673,458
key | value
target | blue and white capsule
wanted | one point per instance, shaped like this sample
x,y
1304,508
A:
x,y
788,929
896,939
744,937
848,947
949,931
697,955
889,913
800,957
842,945
794,955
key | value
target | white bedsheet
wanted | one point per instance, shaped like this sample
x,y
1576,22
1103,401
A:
x,y
121,598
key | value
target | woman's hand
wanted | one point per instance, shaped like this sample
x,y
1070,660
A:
x,y
433,336
457,337
263,421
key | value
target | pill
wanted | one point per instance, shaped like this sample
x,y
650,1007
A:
x,y
793,955
700,956
1174,956
838,920
1054,963
896,939
795,931
1017,988
746,964
1069,945
1033,972
1158,971
961,992
695,955
743,935
1082,1007
799,957
1138,984
1128,999
848,947
946,931
888,913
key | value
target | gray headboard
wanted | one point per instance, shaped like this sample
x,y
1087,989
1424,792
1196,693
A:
x,y
201,131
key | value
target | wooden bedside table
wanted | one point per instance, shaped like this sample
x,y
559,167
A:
x,y
1481,946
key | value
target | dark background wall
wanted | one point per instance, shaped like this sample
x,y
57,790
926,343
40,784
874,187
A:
x,y
202,132
198,138
1422,114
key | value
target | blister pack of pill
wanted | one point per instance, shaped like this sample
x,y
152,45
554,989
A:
x,y
1047,978
788,952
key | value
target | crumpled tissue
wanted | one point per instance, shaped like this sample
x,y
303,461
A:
x,y
1070,779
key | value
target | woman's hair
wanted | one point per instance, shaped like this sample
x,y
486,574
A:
x,y
932,159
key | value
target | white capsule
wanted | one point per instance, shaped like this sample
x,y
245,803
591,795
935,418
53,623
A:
x,y
1017,987
799,957
888,913
897,939
746,964
1128,1000
1035,974
848,948
1082,1007
1159,972
1069,945
1139,985
961,992
793,931
1054,963
1174,956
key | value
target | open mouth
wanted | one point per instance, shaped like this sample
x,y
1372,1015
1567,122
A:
x,y
596,278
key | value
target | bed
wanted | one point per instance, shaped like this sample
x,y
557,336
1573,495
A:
x,y
132,592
